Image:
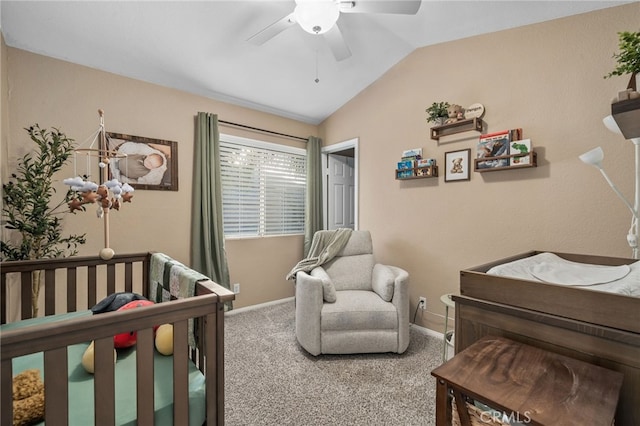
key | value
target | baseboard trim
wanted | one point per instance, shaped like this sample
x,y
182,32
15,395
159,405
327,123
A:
x,y
258,306
427,331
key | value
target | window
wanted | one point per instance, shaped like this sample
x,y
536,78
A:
x,y
263,188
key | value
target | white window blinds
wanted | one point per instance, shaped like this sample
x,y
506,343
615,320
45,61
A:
x,y
263,188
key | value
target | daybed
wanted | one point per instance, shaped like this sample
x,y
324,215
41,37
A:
x,y
600,327
188,385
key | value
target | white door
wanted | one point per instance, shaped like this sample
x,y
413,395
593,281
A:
x,y
341,192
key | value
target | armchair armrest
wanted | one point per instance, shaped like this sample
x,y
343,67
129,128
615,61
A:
x,y
308,307
401,302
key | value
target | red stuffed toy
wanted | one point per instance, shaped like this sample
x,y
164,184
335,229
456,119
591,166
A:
x,y
126,340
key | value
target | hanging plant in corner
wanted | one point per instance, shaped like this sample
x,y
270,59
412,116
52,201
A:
x,y
28,211
628,59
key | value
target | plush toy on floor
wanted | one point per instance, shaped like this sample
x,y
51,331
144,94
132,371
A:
x,y
28,398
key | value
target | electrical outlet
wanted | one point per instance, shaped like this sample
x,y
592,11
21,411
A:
x,y
422,303
236,288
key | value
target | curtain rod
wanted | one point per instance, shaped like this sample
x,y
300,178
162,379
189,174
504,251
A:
x,y
262,130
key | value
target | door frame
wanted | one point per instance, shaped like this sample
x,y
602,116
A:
x,y
333,149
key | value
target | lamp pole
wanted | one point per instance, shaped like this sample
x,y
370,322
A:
x,y
634,234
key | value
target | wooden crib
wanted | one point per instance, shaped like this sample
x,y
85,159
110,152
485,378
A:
x,y
92,277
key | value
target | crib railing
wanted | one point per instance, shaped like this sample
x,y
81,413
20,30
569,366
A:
x,y
207,308
80,275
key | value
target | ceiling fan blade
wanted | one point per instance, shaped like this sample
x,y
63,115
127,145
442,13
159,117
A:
x,y
272,30
337,44
403,7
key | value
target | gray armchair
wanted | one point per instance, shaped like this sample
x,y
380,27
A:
x,y
351,304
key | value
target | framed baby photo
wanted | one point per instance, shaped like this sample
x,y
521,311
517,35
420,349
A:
x,y
456,165
144,163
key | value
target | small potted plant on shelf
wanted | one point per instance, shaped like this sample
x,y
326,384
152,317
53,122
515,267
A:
x,y
437,113
628,59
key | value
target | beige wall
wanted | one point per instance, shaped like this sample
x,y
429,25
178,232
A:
x,y
545,78
55,93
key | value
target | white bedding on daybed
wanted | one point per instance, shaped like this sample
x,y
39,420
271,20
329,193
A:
x,y
551,268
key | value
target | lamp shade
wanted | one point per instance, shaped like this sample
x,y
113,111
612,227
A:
x,y
610,123
593,157
316,16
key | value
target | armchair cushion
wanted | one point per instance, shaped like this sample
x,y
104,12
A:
x,y
328,289
383,282
358,310
351,272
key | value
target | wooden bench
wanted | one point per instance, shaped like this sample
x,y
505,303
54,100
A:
x,y
526,384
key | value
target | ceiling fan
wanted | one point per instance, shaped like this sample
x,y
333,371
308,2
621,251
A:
x,y
320,17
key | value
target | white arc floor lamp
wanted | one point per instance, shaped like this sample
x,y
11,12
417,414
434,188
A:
x,y
595,157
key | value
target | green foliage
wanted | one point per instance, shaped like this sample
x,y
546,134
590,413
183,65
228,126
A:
x,y
27,201
436,111
628,58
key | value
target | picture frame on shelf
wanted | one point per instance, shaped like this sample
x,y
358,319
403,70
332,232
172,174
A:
x,y
457,165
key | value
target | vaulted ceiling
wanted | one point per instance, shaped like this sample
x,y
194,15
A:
x,y
201,46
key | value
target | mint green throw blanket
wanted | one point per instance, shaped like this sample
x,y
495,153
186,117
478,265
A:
x,y
324,247
81,395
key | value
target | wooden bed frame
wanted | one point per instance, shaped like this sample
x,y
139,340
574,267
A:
x,y
52,339
592,326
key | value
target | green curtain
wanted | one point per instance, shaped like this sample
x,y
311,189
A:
x,y
207,234
313,204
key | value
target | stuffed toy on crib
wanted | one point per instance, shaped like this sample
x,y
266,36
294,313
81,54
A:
x,y
121,302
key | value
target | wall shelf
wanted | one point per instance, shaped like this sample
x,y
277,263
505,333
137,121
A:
x,y
531,157
627,116
471,124
417,173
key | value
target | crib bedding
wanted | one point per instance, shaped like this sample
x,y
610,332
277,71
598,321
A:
x,y
81,392
551,268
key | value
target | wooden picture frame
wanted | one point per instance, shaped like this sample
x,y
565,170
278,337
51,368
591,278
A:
x,y
457,165
148,164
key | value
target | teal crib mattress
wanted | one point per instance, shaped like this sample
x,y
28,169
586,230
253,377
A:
x,y
81,393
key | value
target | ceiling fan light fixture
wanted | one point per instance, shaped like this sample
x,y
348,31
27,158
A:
x,y
316,16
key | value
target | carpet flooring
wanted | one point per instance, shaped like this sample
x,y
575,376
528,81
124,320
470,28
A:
x,y
271,380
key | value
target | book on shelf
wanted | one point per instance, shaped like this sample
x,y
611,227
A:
x,y
515,134
405,164
403,174
520,147
426,162
493,145
415,152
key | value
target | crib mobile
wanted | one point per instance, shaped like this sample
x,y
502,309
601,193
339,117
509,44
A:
x,y
109,194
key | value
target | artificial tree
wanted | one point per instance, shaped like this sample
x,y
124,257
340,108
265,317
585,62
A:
x,y
29,211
